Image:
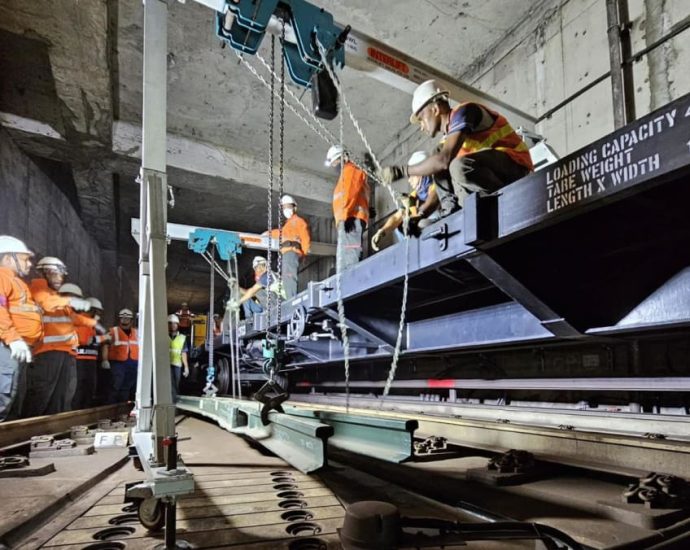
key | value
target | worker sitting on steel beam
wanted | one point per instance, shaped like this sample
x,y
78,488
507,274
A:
x,y
350,206
295,244
421,203
267,285
20,325
480,151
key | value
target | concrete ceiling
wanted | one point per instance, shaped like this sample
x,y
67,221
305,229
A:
x,y
71,92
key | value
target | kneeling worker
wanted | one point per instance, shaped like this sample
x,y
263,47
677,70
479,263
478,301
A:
x,y
295,245
422,203
480,150
266,284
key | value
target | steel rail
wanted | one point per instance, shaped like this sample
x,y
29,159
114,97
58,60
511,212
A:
x,y
299,441
15,432
562,440
387,439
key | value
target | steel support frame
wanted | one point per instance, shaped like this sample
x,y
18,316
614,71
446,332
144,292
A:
x,y
154,408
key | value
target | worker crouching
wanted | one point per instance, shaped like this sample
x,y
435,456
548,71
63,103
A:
x,y
267,288
479,151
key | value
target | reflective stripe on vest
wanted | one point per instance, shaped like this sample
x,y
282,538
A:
x,y
58,338
47,319
25,309
176,347
500,136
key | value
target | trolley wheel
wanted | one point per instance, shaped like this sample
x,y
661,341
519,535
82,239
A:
x,y
151,513
223,375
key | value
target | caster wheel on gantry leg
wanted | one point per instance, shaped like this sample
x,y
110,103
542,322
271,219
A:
x,y
151,513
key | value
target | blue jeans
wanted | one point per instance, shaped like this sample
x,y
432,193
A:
x,y
250,308
124,380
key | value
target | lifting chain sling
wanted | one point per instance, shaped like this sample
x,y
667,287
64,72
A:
x,y
272,394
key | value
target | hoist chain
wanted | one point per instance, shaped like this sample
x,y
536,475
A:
x,y
281,177
406,223
269,215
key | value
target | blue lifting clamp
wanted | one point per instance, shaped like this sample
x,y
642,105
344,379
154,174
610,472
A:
x,y
311,26
228,244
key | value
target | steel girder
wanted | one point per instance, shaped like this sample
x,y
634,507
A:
x,y
586,248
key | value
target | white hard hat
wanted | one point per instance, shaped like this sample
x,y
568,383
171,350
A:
x,y
71,288
95,303
172,318
423,94
417,157
126,313
258,260
12,245
287,199
50,262
334,153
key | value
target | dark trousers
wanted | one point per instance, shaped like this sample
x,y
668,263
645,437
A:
x,y
12,385
86,383
290,266
124,380
51,383
485,171
175,376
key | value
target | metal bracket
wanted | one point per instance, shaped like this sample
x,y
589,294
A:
x,y
441,234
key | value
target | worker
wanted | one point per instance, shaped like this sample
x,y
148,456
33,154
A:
x,y
480,151
185,316
350,206
266,286
52,380
88,351
422,202
121,357
295,244
20,325
179,353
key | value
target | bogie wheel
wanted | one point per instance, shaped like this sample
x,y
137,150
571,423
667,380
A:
x,y
223,375
151,513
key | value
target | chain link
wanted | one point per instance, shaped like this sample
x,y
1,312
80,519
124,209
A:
x,y
281,180
406,225
269,214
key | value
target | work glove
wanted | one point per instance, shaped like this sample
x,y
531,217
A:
x,y
350,225
376,239
20,351
389,174
233,305
100,329
105,365
79,304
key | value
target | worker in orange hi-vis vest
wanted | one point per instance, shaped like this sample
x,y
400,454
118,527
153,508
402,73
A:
x,y
90,343
21,327
350,206
479,151
52,380
295,244
122,357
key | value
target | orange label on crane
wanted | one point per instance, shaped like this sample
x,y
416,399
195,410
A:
x,y
388,60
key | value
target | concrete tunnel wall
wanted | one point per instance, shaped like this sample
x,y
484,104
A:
x,y
36,210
